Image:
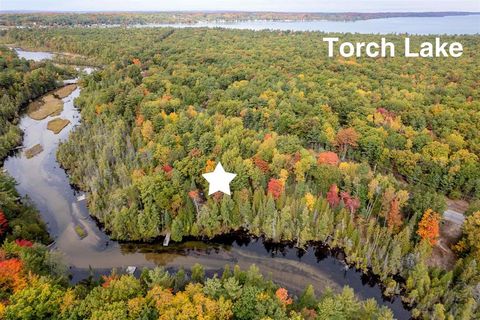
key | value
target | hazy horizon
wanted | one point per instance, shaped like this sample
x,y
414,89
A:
x,y
364,6
225,11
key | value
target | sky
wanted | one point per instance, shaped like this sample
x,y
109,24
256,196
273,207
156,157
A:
x,y
242,5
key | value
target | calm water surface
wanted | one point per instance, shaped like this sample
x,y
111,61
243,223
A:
x,y
47,185
34,55
469,24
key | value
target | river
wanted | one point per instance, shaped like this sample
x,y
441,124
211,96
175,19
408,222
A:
x,y
43,180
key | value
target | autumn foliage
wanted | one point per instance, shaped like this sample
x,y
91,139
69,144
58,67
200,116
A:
x,y
24,243
470,241
346,138
107,280
3,223
194,195
351,203
429,227
139,120
261,164
394,217
328,157
309,201
167,168
11,277
282,295
332,196
275,188
147,130
210,166
189,304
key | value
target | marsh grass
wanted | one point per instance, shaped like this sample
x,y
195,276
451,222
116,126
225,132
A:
x,y
57,125
80,231
50,104
33,151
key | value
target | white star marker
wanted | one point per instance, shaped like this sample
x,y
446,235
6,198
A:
x,y
219,180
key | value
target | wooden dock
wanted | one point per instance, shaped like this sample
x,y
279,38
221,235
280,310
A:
x,y
166,241
131,269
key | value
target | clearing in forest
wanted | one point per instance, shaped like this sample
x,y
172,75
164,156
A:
x,y
450,233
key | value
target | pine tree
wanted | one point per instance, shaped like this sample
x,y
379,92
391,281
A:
x,y
308,298
198,273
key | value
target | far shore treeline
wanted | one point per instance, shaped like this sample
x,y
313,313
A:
x,y
142,18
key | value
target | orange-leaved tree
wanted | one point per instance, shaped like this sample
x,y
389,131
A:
x,y
282,295
429,227
328,157
261,164
275,188
346,138
394,216
11,276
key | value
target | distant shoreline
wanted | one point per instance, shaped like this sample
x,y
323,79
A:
x,y
436,13
194,16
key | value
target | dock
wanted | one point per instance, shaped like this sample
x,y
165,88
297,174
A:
x,y
131,269
166,241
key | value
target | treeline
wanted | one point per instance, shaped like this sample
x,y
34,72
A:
x,y
349,152
138,18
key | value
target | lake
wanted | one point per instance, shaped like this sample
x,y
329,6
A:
x,y
468,24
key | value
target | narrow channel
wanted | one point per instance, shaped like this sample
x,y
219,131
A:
x,y
42,180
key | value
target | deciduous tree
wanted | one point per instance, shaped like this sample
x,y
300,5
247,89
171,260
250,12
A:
x,y
429,226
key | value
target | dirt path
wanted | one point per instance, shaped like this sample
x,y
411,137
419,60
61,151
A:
x,y
450,232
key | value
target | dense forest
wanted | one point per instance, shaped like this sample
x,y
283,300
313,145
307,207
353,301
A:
x,y
143,18
34,281
356,153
